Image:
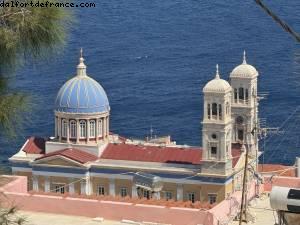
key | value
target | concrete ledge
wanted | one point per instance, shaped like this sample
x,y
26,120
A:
x,y
186,209
81,199
151,206
116,203
130,222
15,193
47,196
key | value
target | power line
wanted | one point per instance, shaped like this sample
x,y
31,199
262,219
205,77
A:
x,y
283,24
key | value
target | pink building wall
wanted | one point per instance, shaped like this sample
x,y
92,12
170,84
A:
x,y
18,184
16,194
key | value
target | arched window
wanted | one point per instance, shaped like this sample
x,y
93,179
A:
x,y
82,125
208,111
92,128
241,94
213,151
220,111
64,128
214,110
235,95
100,128
73,129
246,94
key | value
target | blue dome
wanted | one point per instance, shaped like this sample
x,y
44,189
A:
x,y
81,94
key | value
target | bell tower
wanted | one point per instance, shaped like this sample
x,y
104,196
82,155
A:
x,y
217,126
243,80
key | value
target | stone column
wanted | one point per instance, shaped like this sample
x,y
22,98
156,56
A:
x,y
55,123
47,184
35,183
59,128
103,127
179,192
71,186
88,186
77,131
134,191
112,187
156,195
88,130
68,130
205,110
96,129
83,187
107,126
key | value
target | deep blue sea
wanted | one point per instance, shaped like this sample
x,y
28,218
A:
x,y
154,57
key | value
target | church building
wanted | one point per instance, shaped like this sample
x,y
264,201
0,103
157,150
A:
x,y
84,157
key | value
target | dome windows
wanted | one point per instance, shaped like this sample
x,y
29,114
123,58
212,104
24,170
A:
x,y
82,125
92,128
64,129
100,128
73,129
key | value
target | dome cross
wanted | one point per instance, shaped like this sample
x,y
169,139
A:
x,y
244,58
81,67
217,72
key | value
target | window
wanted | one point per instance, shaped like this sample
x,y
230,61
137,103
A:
x,y
92,128
246,94
64,128
191,197
100,128
73,129
168,195
100,190
239,120
59,188
146,193
235,95
208,111
214,136
213,150
240,134
123,192
241,94
212,198
214,110
220,111
82,125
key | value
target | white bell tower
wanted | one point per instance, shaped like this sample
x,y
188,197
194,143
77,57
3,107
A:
x,y
243,80
217,126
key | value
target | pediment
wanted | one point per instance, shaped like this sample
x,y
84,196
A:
x,y
58,161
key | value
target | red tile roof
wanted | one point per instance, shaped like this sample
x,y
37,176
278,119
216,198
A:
x,y
236,153
35,145
152,154
158,154
73,154
277,169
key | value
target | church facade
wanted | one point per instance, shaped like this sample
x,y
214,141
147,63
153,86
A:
x,y
84,157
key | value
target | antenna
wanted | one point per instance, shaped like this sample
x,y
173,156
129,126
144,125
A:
x,y
151,132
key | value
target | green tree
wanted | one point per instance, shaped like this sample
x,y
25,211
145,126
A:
x,y
25,33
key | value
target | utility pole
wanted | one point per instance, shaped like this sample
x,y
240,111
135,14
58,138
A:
x,y
243,208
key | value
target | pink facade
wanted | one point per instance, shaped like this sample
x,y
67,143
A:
x,y
16,194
